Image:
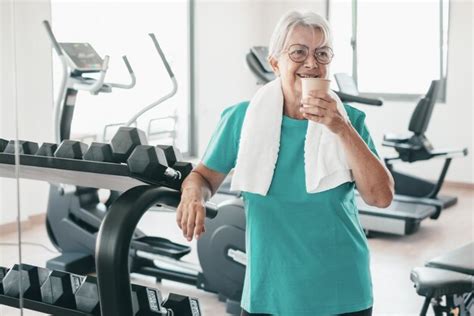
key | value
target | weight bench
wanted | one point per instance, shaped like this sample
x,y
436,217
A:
x,y
450,276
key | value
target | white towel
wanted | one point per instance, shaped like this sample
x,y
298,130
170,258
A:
x,y
326,165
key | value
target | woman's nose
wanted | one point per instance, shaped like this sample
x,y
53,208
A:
x,y
311,62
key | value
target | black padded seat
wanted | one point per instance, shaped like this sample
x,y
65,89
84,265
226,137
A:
x,y
459,260
433,282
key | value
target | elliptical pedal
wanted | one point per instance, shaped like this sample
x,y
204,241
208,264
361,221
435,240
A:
x,y
160,246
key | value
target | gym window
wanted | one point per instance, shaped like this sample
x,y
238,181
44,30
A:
x,y
121,28
393,49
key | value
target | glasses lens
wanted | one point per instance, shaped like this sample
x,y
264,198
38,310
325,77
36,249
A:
x,y
324,55
298,53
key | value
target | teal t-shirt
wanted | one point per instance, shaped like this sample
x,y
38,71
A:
x,y
306,253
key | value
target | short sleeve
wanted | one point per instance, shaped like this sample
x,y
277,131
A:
x,y
357,118
221,152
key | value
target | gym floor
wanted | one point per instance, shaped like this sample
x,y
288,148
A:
x,y
393,257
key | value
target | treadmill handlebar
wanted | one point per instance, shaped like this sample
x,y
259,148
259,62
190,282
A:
x,y
357,99
174,82
450,152
445,153
162,55
133,80
55,43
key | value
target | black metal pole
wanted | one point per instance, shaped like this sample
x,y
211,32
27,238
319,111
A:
x,y
113,243
433,194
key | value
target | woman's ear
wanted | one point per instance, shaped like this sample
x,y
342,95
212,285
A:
x,y
274,64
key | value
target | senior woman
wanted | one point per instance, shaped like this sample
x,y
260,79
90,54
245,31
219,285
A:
x,y
306,251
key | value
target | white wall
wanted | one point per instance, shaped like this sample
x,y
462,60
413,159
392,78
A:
x,y
33,95
224,33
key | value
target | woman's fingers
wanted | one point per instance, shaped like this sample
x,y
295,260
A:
x,y
200,218
315,118
190,218
179,216
191,224
319,94
314,110
184,222
312,102
320,99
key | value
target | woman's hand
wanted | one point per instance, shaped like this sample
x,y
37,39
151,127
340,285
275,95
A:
x,y
191,213
197,188
320,107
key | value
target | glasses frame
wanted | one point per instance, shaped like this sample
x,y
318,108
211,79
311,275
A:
x,y
314,54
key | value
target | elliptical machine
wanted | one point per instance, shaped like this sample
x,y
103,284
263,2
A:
x,y
77,59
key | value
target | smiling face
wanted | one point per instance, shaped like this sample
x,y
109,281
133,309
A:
x,y
290,71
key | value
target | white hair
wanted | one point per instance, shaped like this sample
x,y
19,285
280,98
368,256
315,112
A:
x,y
292,19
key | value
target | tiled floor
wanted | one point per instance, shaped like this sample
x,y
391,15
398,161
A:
x,y
392,257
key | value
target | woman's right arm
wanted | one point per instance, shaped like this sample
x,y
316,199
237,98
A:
x,y
197,188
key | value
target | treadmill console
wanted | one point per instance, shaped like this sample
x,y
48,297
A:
x,y
82,57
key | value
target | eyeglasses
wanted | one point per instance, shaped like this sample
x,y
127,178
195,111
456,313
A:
x,y
299,53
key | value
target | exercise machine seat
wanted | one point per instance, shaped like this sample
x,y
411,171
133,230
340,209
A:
x,y
434,282
459,260
415,146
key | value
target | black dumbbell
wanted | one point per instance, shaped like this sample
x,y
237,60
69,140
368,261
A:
x,y
173,155
87,295
174,159
149,162
24,147
58,290
182,305
3,144
124,142
70,149
31,280
99,152
3,272
147,302
47,150
184,168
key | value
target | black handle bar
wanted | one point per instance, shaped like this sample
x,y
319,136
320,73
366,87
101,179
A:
x,y
352,98
113,243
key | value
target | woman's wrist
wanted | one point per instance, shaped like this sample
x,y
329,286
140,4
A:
x,y
195,189
345,130
191,191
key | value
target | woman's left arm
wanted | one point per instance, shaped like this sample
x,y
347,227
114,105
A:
x,y
374,182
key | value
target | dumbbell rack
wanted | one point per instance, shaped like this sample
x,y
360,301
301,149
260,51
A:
x,y
105,175
116,231
63,294
40,307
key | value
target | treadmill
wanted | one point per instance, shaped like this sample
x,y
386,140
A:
x,y
405,214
